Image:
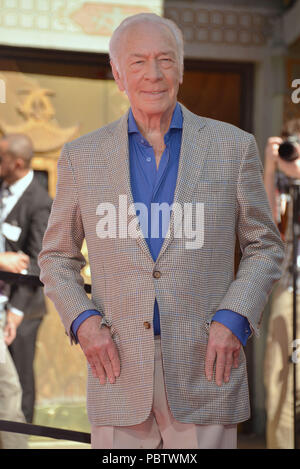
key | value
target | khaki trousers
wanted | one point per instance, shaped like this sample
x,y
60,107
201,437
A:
x,y
10,398
278,371
161,430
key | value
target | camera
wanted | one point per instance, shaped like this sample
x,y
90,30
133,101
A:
x,y
288,149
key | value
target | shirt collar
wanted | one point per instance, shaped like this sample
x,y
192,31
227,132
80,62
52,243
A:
x,y
176,122
21,185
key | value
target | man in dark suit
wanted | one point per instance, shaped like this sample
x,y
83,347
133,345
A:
x,y
24,211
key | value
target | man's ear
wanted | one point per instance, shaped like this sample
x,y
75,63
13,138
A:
x,y
19,163
117,76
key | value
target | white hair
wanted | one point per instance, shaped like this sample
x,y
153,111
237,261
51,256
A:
x,y
145,18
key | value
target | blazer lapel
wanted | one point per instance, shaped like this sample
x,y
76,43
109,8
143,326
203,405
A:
x,y
118,164
194,146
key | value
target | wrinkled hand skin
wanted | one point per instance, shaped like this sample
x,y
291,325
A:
x,y
99,349
223,351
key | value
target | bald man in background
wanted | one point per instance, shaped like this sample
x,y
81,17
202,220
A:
x,y
24,210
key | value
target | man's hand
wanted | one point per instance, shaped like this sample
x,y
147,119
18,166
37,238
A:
x,y
13,262
99,349
10,329
223,348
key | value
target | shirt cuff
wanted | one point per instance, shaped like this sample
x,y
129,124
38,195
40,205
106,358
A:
x,y
238,324
16,311
82,317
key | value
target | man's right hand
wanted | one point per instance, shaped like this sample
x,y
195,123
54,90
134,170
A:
x,y
13,262
99,349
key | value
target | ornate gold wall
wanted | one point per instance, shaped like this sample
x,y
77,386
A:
x,y
53,110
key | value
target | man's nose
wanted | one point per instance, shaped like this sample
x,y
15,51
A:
x,y
153,71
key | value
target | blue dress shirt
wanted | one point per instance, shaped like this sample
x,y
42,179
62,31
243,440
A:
x,y
149,185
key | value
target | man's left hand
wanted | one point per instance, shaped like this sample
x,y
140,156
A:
x,y
223,350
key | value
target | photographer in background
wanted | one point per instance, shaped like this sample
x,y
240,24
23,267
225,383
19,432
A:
x,y
282,163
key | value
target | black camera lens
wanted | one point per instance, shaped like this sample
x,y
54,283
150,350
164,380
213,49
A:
x,y
288,150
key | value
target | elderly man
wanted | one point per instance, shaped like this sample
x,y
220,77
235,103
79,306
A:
x,y
163,329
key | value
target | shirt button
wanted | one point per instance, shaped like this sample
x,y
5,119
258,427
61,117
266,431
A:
x,y
148,159
156,274
147,325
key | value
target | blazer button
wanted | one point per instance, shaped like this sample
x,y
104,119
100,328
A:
x,y
147,325
156,274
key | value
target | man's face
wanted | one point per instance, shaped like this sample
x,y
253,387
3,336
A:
x,y
7,163
148,68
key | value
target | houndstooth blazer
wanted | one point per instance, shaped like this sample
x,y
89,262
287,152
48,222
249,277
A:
x,y
220,167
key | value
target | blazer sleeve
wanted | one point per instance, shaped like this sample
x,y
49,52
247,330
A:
x,y
61,260
260,242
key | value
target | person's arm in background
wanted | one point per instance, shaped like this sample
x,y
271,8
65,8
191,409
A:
x,y
270,166
13,262
273,162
